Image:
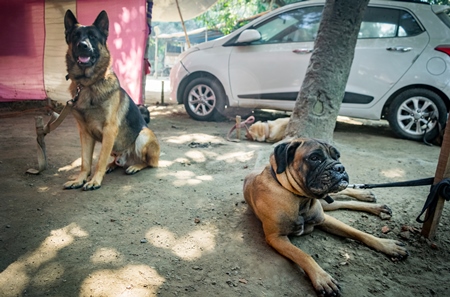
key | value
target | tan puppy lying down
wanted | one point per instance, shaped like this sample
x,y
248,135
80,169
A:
x,y
270,131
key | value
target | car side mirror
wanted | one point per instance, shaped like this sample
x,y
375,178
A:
x,y
248,35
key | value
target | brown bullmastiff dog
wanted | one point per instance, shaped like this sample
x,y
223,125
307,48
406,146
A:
x,y
285,197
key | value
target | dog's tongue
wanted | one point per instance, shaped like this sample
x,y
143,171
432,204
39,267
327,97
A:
x,y
83,59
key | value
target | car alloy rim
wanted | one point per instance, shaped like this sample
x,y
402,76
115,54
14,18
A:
x,y
413,115
202,100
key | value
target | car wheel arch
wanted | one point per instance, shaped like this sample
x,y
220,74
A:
x,y
409,113
192,76
394,95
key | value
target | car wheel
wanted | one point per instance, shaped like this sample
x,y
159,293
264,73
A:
x,y
204,99
415,112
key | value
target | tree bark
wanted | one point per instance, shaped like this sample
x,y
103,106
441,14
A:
x,y
320,97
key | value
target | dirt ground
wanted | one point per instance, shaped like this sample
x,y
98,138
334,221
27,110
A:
x,y
183,229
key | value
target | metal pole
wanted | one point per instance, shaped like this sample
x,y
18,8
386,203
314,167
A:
x,y
162,92
156,57
184,27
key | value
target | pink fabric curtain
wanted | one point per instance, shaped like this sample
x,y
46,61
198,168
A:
x,y
22,50
127,38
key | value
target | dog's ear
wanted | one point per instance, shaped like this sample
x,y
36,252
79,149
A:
x,y
284,155
102,22
69,23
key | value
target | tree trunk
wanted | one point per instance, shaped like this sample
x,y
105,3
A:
x,y
318,103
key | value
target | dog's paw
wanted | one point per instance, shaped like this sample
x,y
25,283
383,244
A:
x,y
73,184
133,169
385,213
326,286
367,196
395,249
90,186
110,168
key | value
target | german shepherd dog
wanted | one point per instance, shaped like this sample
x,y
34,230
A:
x,y
103,110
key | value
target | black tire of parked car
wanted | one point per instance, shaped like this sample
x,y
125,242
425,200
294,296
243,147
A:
x,y
204,99
406,99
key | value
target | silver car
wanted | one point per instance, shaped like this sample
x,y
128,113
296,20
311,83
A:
x,y
400,72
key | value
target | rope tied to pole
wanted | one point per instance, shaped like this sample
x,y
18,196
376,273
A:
x,y
441,189
250,120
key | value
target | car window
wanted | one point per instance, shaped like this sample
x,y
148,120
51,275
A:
x,y
386,23
302,24
297,25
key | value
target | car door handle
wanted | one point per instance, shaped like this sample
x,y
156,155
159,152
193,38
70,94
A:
x,y
399,49
302,51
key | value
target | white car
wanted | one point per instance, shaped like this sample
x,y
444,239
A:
x,y
400,72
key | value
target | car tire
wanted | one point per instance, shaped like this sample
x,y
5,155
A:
x,y
204,99
409,114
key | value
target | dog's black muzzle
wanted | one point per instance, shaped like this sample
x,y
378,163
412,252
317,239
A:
x,y
339,175
85,53
328,178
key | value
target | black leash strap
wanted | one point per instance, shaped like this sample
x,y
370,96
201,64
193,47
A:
x,y
442,189
409,183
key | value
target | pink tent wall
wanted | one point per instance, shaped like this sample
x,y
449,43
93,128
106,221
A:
x,y
24,24
22,50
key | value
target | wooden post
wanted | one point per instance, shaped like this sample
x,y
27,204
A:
x,y
238,127
42,130
182,24
429,228
42,155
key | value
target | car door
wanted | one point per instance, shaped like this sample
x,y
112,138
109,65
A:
x,y
269,72
389,42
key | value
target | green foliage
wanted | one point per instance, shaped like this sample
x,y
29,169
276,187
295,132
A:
x,y
226,13
442,2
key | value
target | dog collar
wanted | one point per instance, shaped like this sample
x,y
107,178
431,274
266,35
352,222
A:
x,y
327,198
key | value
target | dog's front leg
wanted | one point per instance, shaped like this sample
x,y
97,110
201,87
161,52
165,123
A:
x,y
87,150
358,194
109,136
380,210
390,247
323,283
